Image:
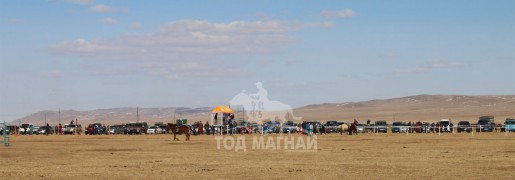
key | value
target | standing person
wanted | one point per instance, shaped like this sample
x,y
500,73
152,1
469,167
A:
x,y
60,130
47,129
56,129
308,131
207,128
231,126
311,129
31,130
95,130
90,129
201,128
315,128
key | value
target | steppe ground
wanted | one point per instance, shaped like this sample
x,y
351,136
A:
x,y
365,156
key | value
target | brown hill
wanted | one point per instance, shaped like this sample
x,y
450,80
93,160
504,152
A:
x,y
412,108
116,115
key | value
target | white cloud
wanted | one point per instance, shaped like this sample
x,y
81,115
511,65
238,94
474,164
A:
x,y
109,21
433,64
101,8
443,64
184,48
136,25
16,21
413,70
344,13
191,37
112,70
82,2
52,74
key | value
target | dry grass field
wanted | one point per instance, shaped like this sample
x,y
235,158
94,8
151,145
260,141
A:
x,y
365,156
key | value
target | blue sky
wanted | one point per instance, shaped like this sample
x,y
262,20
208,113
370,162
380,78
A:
x,y
85,54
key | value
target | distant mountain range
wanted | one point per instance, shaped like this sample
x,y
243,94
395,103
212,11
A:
x,y
411,108
117,115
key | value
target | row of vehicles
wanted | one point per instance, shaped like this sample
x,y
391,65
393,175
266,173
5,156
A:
x,y
29,128
138,128
484,124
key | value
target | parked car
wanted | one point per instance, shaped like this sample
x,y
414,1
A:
x,y
136,128
399,127
464,126
151,130
9,130
360,128
162,126
289,127
116,129
331,126
509,125
64,127
25,128
42,130
271,127
35,129
446,125
485,124
73,128
381,126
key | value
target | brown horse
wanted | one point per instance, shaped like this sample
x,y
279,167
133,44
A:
x,y
353,129
171,127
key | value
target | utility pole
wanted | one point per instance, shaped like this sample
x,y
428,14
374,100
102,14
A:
x,y
59,115
174,112
137,114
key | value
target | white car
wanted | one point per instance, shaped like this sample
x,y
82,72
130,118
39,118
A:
x,y
360,128
154,130
64,127
24,127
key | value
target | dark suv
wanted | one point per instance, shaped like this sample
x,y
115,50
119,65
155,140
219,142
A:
x,y
485,125
464,126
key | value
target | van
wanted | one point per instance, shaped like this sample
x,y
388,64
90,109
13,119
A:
x,y
446,125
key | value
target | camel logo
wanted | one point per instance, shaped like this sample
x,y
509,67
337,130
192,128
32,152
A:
x,y
258,107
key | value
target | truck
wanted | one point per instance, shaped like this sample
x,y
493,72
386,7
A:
x,y
72,129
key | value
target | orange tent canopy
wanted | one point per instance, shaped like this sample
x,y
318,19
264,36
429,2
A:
x,y
222,109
